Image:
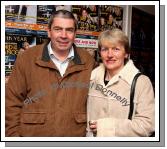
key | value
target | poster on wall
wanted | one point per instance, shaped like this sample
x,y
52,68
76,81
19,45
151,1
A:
x,y
86,41
16,41
110,17
86,16
30,22
43,13
41,37
21,13
63,7
11,12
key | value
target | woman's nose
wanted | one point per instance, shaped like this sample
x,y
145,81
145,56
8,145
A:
x,y
110,52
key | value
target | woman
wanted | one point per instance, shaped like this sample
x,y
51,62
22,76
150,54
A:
x,y
25,46
109,94
111,24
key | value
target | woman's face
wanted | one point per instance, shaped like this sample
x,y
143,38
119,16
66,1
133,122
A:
x,y
26,45
110,18
113,56
84,13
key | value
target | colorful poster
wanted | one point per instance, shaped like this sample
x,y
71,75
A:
x,y
110,17
86,41
16,41
44,12
86,16
21,13
11,52
27,24
118,16
41,37
63,7
11,12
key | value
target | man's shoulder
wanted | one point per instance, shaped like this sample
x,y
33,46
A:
x,y
34,51
84,55
36,48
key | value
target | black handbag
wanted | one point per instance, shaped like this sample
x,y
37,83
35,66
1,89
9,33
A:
x,y
132,91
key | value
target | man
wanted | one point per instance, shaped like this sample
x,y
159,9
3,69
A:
x,y
47,90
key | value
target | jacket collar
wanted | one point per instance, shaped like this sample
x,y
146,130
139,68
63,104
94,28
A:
x,y
127,73
45,54
46,57
77,59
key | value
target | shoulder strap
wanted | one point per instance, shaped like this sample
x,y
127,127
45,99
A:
x,y
132,91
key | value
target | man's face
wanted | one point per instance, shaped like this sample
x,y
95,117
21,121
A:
x,y
62,34
102,21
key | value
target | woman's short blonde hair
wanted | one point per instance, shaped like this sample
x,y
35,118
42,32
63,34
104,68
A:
x,y
114,36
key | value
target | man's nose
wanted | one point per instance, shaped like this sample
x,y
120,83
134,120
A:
x,y
64,34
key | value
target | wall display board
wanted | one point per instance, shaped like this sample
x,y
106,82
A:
x,y
28,23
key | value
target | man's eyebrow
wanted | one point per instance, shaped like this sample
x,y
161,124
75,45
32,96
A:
x,y
63,28
57,27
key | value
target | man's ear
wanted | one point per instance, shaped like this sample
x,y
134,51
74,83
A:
x,y
48,30
75,34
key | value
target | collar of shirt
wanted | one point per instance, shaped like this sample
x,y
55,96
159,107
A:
x,y
61,65
51,53
128,72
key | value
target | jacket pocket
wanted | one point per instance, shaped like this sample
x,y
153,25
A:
x,y
79,127
80,117
33,118
33,124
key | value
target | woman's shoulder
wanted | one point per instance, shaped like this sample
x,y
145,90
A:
x,y
143,82
100,67
97,71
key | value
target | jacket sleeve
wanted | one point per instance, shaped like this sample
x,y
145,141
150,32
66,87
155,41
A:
x,y
143,121
14,98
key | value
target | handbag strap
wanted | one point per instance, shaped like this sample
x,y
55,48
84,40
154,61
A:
x,y
132,91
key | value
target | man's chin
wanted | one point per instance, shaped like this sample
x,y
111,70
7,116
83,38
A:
x,y
63,49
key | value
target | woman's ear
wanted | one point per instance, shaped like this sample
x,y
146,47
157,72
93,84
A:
x,y
127,56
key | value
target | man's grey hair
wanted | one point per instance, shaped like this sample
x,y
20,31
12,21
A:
x,y
62,14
